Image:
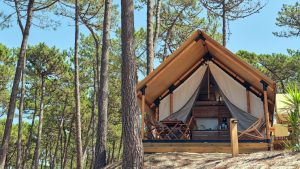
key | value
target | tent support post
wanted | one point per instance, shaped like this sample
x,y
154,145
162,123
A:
x,y
208,83
248,101
157,102
267,117
247,85
143,90
171,89
156,113
234,137
171,103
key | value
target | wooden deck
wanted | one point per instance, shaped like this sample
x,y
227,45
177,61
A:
x,y
158,146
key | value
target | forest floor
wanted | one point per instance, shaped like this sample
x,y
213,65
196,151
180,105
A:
x,y
260,160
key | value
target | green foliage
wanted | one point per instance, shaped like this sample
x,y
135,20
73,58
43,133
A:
x,y
289,18
293,102
7,66
178,20
283,69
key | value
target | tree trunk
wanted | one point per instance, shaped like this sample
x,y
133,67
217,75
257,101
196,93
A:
x,y
36,157
133,150
14,91
120,145
94,109
19,142
28,145
66,146
59,135
150,49
157,23
224,23
86,142
100,152
77,93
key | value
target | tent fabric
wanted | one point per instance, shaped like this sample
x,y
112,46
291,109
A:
x,y
282,109
185,112
189,54
231,91
182,94
281,130
235,92
245,120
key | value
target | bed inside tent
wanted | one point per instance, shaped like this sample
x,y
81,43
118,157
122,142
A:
x,y
186,103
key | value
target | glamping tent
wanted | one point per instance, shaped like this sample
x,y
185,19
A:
x,y
198,88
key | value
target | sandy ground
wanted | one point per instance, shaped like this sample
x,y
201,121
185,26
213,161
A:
x,y
260,160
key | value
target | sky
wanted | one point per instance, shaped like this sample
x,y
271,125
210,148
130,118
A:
x,y
253,33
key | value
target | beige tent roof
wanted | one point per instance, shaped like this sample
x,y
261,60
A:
x,y
190,54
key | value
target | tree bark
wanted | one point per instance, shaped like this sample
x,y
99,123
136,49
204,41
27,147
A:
x,y
150,47
76,92
66,146
21,107
100,152
35,161
133,150
224,23
157,23
14,91
28,145
94,109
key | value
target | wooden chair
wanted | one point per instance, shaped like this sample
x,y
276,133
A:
x,y
159,131
186,129
254,130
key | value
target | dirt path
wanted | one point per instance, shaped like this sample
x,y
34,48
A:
x,y
261,160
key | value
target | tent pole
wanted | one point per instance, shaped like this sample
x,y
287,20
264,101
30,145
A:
x,y
157,102
267,117
156,113
208,83
171,89
247,85
248,101
171,103
143,90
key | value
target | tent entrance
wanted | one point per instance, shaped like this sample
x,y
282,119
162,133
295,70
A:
x,y
210,112
212,97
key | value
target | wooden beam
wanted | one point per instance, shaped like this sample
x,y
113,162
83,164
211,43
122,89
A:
x,y
202,147
157,114
171,103
234,137
248,101
266,111
267,117
143,112
208,83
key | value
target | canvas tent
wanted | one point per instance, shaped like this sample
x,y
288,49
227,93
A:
x,y
171,89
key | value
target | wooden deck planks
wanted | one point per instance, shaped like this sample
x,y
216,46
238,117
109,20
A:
x,y
203,147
